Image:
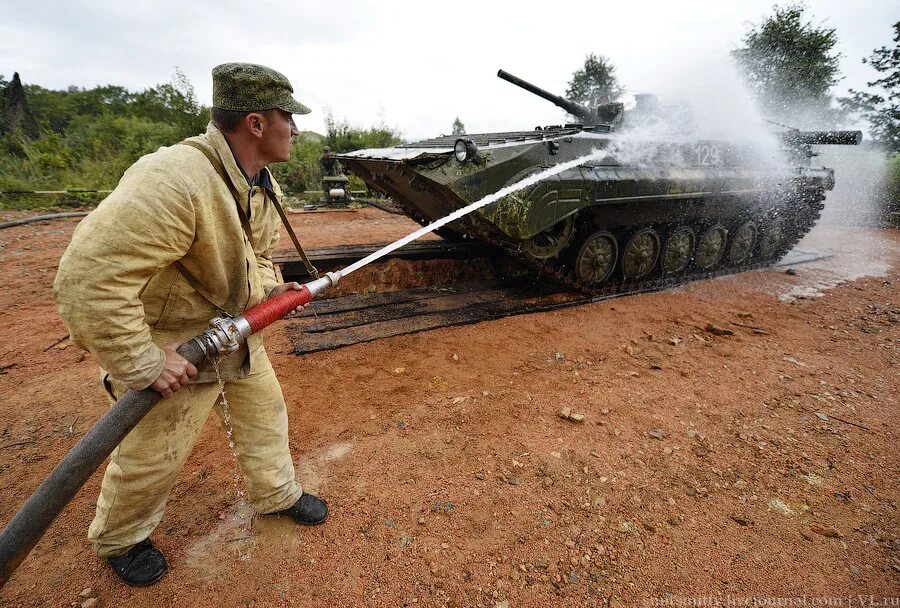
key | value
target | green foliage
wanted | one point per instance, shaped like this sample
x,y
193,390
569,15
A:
x,y
13,169
882,112
597,77
458,127
172,103
127,136
342,137
47,155
89,137
303,172
790,66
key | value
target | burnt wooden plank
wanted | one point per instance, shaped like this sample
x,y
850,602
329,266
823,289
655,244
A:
x,y
374,300
403,310
510,295
431,314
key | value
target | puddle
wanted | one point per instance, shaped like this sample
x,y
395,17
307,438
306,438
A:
x,y
241,533
231,540
850,254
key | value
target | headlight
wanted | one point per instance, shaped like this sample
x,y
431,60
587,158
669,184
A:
x,y
465,149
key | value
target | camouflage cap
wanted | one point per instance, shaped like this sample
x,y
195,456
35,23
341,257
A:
x,y
247,87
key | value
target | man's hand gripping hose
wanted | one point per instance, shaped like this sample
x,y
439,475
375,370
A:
x,y
225,335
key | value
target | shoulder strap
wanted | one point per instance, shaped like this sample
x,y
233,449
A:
x,y
245,221
284,220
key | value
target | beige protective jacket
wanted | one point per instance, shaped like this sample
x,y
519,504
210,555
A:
x,y
118,287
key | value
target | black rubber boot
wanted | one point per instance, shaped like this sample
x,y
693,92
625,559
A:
x,y
140,566
309,510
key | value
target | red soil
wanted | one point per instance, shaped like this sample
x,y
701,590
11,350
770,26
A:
x,y
760,462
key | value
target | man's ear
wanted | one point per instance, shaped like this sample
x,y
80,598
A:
x,y
254,123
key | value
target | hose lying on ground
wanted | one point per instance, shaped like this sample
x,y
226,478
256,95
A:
x,y
40,218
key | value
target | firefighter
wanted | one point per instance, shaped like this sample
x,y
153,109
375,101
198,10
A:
x,y
188,235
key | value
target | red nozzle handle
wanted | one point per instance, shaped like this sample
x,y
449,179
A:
x,y
275,308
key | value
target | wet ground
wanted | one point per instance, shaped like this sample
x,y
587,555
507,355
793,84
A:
x,y
739,439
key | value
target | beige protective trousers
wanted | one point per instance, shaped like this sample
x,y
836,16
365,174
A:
x,y
146,464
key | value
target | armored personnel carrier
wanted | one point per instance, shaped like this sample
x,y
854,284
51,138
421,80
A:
x,y
654,208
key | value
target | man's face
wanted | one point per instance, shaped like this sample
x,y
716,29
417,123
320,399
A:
x,y
277,135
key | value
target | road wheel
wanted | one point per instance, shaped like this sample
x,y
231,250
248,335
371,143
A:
x,y
678,250
550,242
711,247
640,254
596,258
770,239
742,243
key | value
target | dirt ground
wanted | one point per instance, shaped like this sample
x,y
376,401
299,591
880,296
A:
x,y
739,441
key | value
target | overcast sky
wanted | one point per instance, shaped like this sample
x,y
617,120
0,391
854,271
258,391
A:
x,y
415,65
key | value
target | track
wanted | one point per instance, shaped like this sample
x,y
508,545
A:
x,y
338,322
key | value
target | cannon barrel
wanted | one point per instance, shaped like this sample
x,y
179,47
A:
x,y
841,138
575,109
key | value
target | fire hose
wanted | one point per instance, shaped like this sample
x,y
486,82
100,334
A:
x,y
224,336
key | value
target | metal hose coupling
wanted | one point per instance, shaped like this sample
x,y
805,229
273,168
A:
x,y
226,334
329,280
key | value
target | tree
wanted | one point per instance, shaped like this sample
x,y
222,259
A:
x,y
596,78
882,112
303,172
790,66
16,117
458,127
86,138
341,137
173,103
